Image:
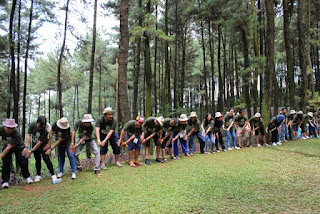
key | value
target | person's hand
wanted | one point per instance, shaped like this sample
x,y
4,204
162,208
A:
x,y
124,144
143,141
72,148
24,152
228,130
101,143
203,133
186,137
48,152
28,154
46,147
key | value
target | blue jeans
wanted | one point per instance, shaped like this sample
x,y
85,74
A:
x,y
282,132
233,135
201,141
62,156
209,137
183,143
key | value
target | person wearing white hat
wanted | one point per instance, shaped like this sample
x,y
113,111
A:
x,y
256,123
312,125
38,134
180,131
134,139
289,124
195,130
106,131
61,129
12,143
85,137
228,127
153,129
218,123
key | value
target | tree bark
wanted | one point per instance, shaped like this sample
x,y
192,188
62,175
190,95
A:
x,y
123,62
24,108
148,72
60,107
245,76
213,85
220,96
93,51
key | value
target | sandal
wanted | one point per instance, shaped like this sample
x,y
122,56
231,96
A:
x,y
137,163
172,158
132,164
165,160
177,158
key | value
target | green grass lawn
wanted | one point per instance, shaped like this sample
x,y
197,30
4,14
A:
x,y
283,179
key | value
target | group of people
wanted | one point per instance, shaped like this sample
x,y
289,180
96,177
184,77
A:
x,y
165,132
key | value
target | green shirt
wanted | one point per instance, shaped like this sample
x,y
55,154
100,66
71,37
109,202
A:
x,y
63,133
166,125
210,124
131,129
241,121
227,121
14,139
150,126
256,123
195,124
179,127
39,134
106,126
83,130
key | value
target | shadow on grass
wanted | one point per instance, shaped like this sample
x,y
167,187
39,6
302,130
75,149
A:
x,y
282,149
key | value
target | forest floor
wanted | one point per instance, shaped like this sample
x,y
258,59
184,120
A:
x,y
282,179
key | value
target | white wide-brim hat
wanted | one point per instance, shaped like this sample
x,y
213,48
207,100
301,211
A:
x,y
217,114
160,120
193,114
257,114
292,112
107,110
310,114
87,118
183,117
63,123
10,123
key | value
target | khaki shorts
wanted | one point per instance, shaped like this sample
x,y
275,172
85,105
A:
x,y
245,132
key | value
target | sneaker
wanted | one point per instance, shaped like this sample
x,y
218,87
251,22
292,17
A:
x,y
229,149
218,150
97,172
118,164
191,154
5,185
55,181
73,176
103,167
212,152
158,160
147,162
60,175
38,178
307,137
266,145
54,177
279,144
29,180
303,138
187,154
274,144
237,147
258,145
224,150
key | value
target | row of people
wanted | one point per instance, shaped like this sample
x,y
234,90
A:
x,y
165,132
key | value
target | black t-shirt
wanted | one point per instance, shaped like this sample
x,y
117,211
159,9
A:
x,y
83,130
39,134
63,133
14,139
217,124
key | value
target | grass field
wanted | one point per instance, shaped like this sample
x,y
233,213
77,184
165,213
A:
x,y
283,179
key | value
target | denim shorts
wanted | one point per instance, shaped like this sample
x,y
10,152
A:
x,y
134,146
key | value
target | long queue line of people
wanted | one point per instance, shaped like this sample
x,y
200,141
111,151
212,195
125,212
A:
x,y
165,132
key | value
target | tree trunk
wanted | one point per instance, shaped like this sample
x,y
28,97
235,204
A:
x,y
155,66
13,84
167,98
24,108
207,106
220,96
18,55
93,51
213,85
148,72
289,53
270,70
302,28
60,107
123,62
245,76
184,41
